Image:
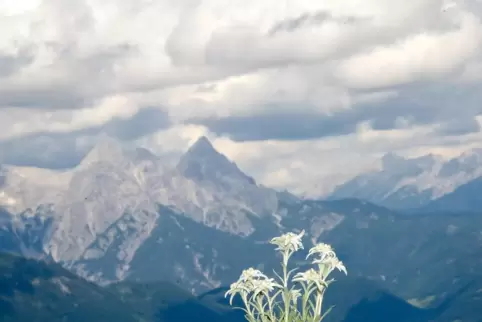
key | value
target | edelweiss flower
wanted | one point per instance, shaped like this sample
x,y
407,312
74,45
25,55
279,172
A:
x,y
238,287
289,242
252,281
311,276
250,274
322,250
331,263
264,286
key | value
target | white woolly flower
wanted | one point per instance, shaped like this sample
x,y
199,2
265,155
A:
x,y
311,276
289,242
264,286
237,287
322,250
331,263
252,281
250,274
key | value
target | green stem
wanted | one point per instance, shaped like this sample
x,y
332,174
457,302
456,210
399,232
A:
x,y
259,301
318,305
270,307
286,298
247,304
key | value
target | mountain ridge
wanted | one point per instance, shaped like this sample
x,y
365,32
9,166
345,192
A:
x,y
132,219
117,196
412,183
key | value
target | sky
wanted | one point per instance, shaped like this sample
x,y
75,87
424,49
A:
x,y
300,94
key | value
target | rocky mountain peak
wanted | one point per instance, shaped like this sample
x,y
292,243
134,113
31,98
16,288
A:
x,y
202,162
202,146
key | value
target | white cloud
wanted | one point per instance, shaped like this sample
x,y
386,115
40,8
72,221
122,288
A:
x,y
17,121
424,56
70,66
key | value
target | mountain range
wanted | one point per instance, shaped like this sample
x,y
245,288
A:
x,y
124,217
427,183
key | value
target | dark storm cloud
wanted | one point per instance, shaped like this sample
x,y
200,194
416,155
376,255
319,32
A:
x,y
61,150
454,109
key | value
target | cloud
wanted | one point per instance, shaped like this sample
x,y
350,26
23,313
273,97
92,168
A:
x,y
424,56
286,89
10,63
459,126
21,121
147,121
70,81
430,104
65,66
77,55
66,149
279,126
310,19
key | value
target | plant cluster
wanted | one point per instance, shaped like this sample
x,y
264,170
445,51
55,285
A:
x,y
301,294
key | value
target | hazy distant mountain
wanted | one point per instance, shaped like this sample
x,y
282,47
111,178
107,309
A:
x,y
466,198
412,183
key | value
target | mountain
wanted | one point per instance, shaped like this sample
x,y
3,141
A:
x,y
400,252
108,215
39,291
466,198
123,216
164,301
34,290
198,257
232,195
202,163
23,233
24,188
412,183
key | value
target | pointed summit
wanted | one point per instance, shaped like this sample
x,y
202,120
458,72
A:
x,y
202,162
202,147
